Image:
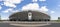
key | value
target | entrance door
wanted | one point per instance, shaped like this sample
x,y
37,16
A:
x,y
29,16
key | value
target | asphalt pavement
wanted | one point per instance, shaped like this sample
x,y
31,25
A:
x,y
52,25
9,25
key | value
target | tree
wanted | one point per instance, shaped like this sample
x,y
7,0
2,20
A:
x,y
58,18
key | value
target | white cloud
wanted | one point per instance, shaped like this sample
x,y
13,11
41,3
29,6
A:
x,y
44,8
31,6
42,0
1,0
0,7
11,3
14,1
34,0
35,7
10,10
6,11
52,12
15,11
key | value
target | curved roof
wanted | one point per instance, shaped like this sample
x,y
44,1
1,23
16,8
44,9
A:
x,y
27,12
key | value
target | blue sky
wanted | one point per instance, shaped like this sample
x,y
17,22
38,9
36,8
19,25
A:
x,y
52,7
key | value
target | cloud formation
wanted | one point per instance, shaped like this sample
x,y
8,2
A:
x,y
31,6
6,11
52,12
43,8
34,0
1,0
34,7
15,11
0,7
10,10
42,0
11,3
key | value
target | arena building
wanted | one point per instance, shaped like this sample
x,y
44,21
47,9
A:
x,y
29,16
